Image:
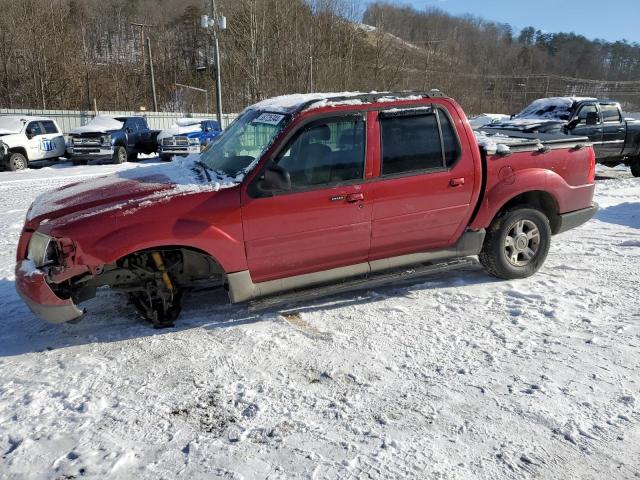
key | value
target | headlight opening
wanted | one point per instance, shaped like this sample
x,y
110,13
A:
x,y
42,250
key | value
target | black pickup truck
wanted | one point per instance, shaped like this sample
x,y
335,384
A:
x,y
112,138
615,139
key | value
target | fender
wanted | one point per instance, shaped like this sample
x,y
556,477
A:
x,y
21,150
225,247
529,180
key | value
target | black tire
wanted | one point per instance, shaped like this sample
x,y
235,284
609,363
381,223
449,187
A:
x,y
635,167
17,161
512,262
133,157
119,155
166,158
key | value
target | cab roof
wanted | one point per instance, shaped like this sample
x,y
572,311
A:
x,y
299,102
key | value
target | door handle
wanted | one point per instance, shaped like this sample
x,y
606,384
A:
x,y
456,182
354,197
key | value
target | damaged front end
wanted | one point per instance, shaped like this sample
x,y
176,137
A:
x,y
154,280
40,263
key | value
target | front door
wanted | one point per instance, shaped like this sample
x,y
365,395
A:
x,y
594,132
324,220
52,142
424,194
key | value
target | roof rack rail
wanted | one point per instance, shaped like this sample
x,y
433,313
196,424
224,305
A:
x,y
373,97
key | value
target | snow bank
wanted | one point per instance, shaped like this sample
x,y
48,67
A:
x,y
100,123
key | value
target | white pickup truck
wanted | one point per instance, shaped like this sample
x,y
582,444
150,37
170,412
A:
x,y
26,140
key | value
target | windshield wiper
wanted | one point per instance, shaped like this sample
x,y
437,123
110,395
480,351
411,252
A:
x,y
204,168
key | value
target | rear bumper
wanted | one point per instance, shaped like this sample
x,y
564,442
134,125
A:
x,y
42,301
575,219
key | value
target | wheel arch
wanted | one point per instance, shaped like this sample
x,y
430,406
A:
x,y
542,200
538,199
20,150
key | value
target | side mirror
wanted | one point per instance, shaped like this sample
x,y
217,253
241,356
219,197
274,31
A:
x,y
592,118
573,123
128,129
275,179
29,133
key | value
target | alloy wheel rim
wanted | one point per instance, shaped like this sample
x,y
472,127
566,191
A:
x,y
522,243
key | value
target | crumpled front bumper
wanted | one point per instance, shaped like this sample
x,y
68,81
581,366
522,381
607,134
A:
x,y
42,301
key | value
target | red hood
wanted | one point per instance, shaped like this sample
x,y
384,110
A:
x,y
123,191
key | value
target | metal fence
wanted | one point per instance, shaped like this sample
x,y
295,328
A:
x,y
69,119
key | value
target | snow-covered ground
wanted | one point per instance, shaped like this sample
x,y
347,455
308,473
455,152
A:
x,y
460,376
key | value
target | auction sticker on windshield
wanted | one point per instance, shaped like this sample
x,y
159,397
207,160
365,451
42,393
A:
x,y
269,118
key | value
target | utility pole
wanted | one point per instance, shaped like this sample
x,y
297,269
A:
x,y
153,78
216,23
142,26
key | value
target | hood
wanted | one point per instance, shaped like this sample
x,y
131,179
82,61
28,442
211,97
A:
x,y
526,124
99,124
126,192
182,130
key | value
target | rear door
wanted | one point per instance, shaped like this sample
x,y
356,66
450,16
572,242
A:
x,y
614,131
324,221
424,194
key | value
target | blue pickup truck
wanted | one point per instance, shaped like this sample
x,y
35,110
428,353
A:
x,y
187,136
118,139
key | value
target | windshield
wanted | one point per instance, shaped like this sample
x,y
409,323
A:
x,y
548,109
243,142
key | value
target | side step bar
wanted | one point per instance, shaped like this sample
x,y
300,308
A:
x,y
371,281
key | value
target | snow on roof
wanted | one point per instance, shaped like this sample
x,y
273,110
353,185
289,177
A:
x,y
290,103
552,108
99,123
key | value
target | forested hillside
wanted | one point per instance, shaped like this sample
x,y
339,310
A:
x,y
66,53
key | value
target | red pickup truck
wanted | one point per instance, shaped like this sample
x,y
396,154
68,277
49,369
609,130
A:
x,y
325,191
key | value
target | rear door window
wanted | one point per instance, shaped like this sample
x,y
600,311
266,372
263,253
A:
x,y
49,126
415,142
610,114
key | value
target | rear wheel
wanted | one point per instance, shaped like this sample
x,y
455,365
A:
x,y
517,243
635,167
119,155
17,161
